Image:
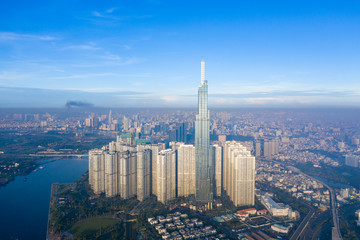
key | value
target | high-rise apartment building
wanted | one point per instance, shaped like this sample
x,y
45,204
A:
x,y
204,167
186,170
97,171
273,146
257,148
166,175
352,160
217,153
239,174
143,174
204,170
111,169
122,170
155,149
178,133
266,147
127,166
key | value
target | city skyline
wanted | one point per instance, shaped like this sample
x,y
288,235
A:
x,y
101,109
144,55
181,170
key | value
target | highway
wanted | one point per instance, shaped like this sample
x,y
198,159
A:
x,y
303,224
336,234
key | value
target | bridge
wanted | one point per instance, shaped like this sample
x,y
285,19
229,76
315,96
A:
x,y
59,155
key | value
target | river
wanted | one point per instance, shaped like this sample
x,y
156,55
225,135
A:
x,y
24,204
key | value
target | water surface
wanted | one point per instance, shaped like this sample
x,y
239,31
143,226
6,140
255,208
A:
x,y
24,205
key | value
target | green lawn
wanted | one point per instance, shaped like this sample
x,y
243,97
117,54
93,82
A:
x,y
92,226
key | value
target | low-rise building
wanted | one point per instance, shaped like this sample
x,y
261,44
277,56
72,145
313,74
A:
x,y
280,228
275,209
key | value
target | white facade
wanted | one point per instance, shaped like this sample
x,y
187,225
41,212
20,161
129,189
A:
x,y
154,148
154,158
111,162
123,170
274,208
218,169
97,171
239,174
186,170
127,167
166,175
143,174
280,228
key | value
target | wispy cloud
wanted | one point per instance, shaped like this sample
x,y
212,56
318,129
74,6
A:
x,y
18,36
90,46
126,47
108,16
96,75
110,10
262,101
170,99
97,14
81,76
118,60
269,94
112,57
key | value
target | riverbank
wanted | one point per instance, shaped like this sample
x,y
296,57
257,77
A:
x,y
22,151
54,189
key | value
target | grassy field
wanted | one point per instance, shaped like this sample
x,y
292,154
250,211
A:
x,y
92,226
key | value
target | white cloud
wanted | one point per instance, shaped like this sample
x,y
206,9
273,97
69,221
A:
x,y
106,74
170,99
264,100
97,14
17,36
80,76
8,76
110,10
90,47
114,59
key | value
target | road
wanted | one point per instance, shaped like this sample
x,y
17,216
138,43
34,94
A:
x,y
336,234
303,224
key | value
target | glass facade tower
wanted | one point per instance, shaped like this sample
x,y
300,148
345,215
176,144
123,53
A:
x,y
204,166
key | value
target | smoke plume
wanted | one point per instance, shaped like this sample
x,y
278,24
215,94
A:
x,y
70,104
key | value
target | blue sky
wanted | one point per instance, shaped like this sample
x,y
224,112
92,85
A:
x,y
148,53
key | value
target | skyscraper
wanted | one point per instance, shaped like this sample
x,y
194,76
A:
x,y
97,171
166,175
204,166
127,175
217,155
186,170
239,174
126,169
111,169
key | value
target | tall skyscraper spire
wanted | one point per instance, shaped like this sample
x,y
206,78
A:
x,y
204,166
202,72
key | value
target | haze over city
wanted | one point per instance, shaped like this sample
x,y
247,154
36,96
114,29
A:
x,y
146,53
180,120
